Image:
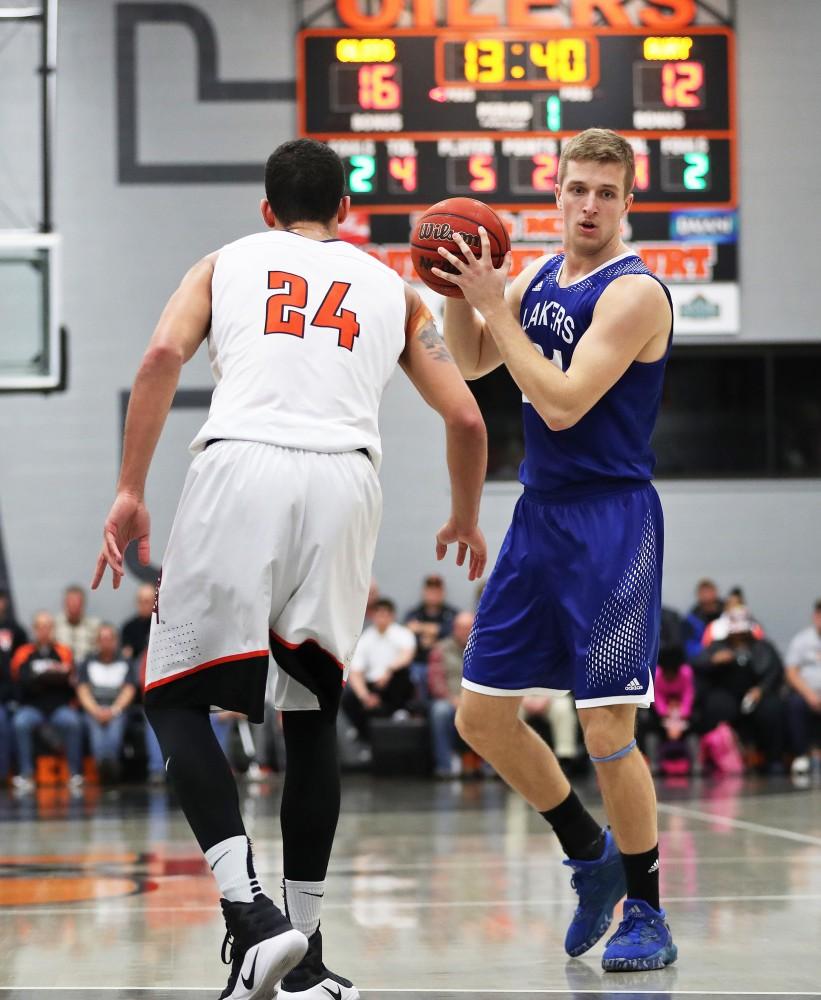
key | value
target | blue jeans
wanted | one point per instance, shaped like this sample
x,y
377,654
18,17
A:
x,y
419,679
106,740
66,721
443,733
5,743
804,725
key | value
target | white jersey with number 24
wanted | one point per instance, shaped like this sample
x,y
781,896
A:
x,y
304,337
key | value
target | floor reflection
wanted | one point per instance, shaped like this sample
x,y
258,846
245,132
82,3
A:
x,y
434,890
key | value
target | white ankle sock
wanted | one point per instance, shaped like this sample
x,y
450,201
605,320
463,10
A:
x,y
303,901
232,863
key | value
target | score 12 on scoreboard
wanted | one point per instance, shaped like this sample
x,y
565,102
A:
x,y
426,114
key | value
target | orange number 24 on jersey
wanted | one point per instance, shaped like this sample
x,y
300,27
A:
x,y
283,312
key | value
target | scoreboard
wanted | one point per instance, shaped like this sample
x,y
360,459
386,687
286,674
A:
x,y
422,114
452,114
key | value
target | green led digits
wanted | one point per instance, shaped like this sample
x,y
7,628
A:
x,y
553,113
360,180
696,172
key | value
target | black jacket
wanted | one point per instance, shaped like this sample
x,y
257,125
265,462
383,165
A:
x,y
757,665
44,676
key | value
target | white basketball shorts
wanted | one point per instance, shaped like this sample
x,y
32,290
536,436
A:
x,y
270,552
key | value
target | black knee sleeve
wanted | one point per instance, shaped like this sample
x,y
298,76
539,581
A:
x,y
199,772
310,796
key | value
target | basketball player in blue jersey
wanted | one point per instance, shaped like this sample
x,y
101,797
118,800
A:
x,y
574,600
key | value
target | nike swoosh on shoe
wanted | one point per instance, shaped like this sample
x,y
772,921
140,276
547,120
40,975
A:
x,y
249,982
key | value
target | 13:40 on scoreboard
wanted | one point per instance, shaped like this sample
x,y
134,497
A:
x,y
433,111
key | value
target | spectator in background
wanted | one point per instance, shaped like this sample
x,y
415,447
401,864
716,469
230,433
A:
x,y
379,681
444,684
12,636
135,630
430,621
707,608
106,685
43,672
667,723
804,703
719,627
738,681
72,627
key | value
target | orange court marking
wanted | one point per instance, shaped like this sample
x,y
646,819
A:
x,y
41,891
84,860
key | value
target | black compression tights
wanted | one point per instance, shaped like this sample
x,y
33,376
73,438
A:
x,y
200,773
311,795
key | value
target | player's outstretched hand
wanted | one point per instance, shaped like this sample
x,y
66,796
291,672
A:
x,y
482,284
472,539
127,520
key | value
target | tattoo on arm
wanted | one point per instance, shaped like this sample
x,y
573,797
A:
x,y
433,342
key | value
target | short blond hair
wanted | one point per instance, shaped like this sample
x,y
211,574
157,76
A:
x,y
601,145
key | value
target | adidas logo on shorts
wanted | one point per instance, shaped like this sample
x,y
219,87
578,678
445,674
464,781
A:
x,y
634,685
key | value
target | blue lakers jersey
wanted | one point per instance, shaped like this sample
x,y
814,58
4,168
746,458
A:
x,y
612,440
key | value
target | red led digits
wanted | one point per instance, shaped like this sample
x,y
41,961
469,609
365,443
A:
x,y
482,170
642,182
379,90
681,83
402,170
545,167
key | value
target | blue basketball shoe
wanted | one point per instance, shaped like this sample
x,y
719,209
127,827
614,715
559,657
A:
x,y
600,884
643,940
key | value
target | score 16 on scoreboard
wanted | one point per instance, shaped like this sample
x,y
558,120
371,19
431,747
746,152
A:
x,y
433,111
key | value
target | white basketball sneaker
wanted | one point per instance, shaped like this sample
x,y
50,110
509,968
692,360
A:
x,y
310,980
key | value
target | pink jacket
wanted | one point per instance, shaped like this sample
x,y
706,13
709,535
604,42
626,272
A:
x,y
681,689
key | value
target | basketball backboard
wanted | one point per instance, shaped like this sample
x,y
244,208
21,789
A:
x,y
30,349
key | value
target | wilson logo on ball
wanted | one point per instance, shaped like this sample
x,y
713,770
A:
x,y
443,231
439,226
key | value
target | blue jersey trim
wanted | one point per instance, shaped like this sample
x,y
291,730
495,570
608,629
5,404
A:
x,y
583,491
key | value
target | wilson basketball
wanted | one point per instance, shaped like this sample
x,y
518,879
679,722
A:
x,y
436,228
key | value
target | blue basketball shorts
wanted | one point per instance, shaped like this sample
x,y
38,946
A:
x,y
574,600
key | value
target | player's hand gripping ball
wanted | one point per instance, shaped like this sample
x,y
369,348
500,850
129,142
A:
x,y
435,229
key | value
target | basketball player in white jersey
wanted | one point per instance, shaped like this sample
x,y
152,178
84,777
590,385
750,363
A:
x,y
273,540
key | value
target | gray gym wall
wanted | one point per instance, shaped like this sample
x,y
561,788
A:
x,y
126,246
